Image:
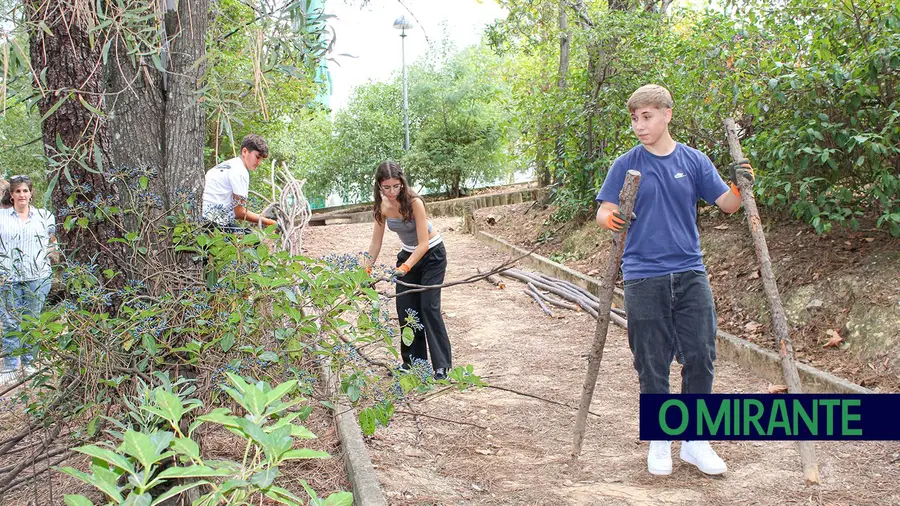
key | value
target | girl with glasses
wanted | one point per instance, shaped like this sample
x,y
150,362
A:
x,y
422,260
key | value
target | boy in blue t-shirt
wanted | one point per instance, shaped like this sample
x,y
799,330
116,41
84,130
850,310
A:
x,y
671,312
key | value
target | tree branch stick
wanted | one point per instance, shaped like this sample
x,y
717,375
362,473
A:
x,y
626,206
414,413
531,290
492,279
7,480
551,300
46,455
26,479
18,383
808,458
526,278
532,396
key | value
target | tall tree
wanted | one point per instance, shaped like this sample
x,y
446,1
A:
x,y
122,97
76,137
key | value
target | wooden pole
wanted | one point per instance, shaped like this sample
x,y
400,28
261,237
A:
x,y
626,206
779,321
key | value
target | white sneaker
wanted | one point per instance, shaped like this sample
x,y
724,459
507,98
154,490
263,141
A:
x,y
700,454
659,458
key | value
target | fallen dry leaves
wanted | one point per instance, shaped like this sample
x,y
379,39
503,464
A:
x,y
834,339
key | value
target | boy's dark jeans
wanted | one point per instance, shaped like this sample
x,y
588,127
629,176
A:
x,y
432,336
672,316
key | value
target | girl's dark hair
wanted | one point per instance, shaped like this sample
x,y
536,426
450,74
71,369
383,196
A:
x,y
14,183
391,170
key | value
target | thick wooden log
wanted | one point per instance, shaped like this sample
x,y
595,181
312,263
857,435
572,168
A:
x,y
779,322
626,206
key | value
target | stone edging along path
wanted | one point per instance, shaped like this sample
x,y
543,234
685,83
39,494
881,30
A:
x,y
360,472
764,363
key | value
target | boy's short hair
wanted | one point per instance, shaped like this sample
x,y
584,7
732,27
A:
x,y
255,142
650,95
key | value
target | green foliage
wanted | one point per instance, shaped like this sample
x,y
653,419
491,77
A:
x,y
260,74
814,91
20,136
460,103
459,128
146,467
227,307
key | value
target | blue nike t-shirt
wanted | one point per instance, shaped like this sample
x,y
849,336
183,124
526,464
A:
x,y
664,238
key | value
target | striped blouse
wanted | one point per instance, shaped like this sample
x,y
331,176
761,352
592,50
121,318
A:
x,y
24,244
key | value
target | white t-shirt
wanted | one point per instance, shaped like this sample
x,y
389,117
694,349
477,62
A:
x,y
24,245
223,180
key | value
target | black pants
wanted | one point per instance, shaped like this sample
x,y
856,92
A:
x,y
672,316
431,334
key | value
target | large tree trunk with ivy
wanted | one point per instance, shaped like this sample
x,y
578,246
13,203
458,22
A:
x,y
76,139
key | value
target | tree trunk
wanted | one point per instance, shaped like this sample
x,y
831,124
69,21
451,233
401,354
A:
x,y
135,111
156,119
73,79
590,105
185,129
561,85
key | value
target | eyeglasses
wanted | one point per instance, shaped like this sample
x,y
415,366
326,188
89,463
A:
x,y
16,179
393,188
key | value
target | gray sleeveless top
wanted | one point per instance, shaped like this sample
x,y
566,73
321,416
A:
x,y
406,230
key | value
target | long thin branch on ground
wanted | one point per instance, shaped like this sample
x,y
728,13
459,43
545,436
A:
x,y
8,478
27,479
492,279
39,457
460,422
555,302
526,394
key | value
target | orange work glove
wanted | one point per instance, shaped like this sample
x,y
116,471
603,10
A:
x,y
616,221
401,271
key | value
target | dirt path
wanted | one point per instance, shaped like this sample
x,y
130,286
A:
x,y
521,456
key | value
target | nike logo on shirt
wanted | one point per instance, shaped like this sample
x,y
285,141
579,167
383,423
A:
x,y
679,175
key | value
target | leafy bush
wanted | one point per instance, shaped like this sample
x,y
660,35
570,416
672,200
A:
x,y
222,308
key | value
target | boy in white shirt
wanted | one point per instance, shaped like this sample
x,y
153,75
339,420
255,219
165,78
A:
x,y
227,187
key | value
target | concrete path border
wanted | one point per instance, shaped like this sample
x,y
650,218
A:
x,y
364,482
360,471
765,363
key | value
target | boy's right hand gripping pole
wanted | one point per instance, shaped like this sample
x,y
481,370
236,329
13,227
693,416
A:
x,y
626,208
779,321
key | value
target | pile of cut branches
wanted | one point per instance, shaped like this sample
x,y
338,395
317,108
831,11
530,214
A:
x,y
547,290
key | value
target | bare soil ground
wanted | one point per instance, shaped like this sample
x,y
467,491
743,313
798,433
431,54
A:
x,y
825,282
519,454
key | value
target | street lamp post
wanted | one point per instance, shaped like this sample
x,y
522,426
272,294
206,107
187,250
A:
x,y
403,25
